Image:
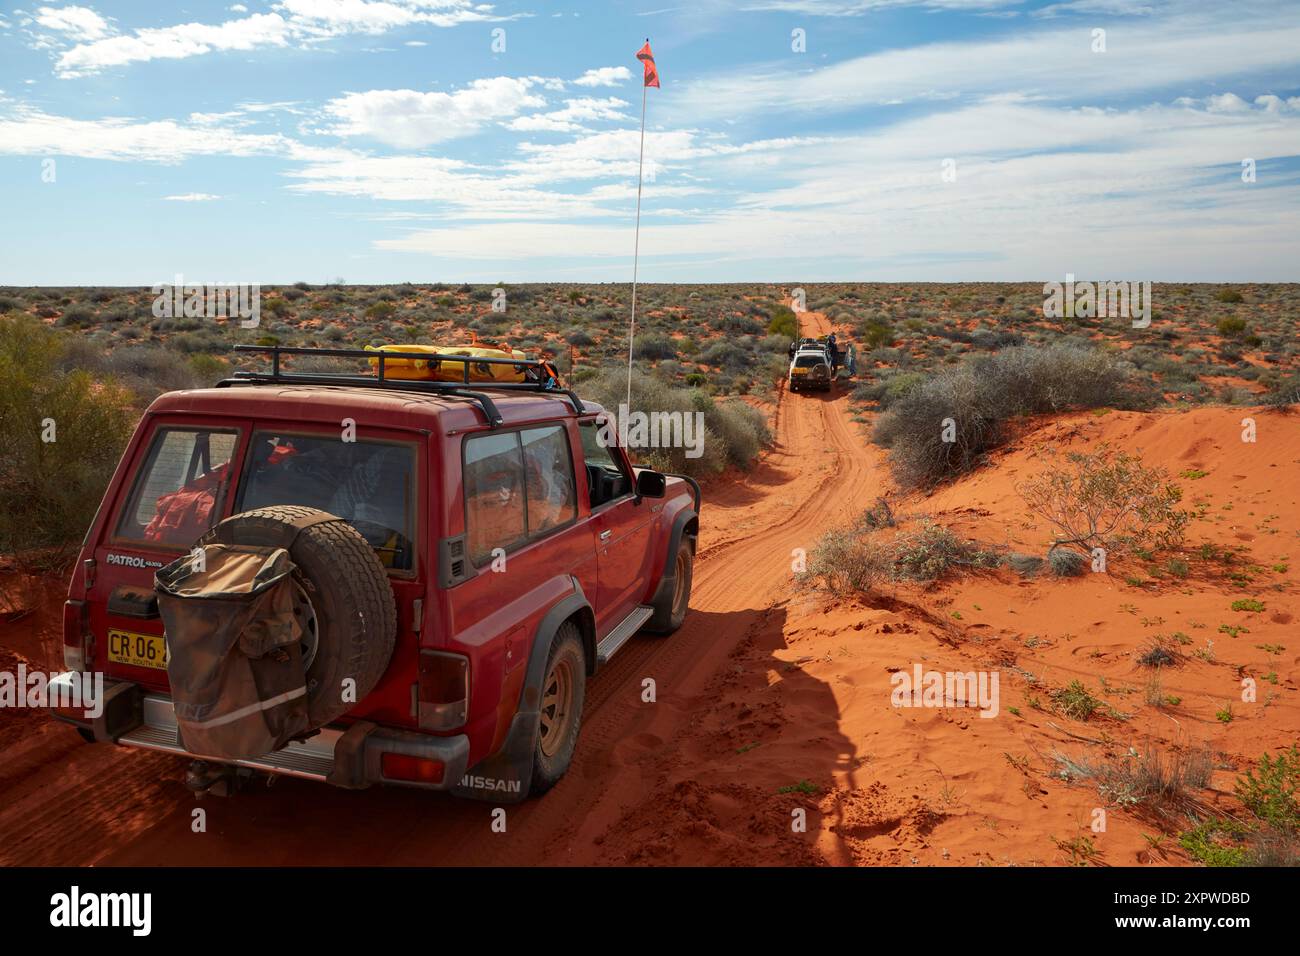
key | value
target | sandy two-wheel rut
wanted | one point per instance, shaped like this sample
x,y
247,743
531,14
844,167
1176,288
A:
x,y
64,803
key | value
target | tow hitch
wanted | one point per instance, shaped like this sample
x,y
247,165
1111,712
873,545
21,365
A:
x,y
220,780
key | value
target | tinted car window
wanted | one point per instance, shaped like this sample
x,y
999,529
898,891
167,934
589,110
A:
x,y
494,494
548,469
177,495
369,484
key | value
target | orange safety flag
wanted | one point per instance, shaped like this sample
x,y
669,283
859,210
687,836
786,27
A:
x,y
648,58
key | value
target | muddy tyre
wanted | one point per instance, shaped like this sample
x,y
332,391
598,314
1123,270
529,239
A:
x,y
342,600
670,609
564,688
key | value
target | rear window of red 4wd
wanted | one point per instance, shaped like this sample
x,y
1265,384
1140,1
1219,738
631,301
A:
x,y
180,491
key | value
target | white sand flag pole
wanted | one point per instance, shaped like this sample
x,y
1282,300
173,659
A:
x,y
651,79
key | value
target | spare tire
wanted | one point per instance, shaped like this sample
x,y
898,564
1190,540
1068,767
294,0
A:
x,y
343,601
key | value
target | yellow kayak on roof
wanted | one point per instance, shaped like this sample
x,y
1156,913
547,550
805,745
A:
x,y
442,369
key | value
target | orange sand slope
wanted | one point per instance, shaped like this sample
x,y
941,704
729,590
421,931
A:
x,y
805,702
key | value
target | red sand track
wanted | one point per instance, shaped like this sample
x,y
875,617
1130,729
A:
x,y
770,702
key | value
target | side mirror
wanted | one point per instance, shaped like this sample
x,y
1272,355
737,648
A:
x,y
650,484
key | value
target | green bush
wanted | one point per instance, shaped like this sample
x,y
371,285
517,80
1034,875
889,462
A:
x,y
1107,499
1272,790
784,322
49,490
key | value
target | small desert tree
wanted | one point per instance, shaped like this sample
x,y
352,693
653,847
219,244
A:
x,y
1107,499
61,433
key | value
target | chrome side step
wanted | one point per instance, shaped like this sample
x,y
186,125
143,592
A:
x,y
622,633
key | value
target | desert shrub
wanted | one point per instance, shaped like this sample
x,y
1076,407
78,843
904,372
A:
x,y
858,558
75,316
49,490
1066,564
784,322
1284,392
880,515
945,425
845,563
1158,652
579,337
725,354
1231,325
208,369
1271,791
932,551
1272,836
380,310
741,324
874,334
734,433
654,346
1106,499
1026,565
1161,782
148,370
1228,295
1075,701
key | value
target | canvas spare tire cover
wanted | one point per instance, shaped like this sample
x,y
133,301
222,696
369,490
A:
x,y
348,594
234,653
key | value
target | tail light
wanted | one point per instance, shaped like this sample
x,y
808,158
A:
x,y
416,769
442,694
75,630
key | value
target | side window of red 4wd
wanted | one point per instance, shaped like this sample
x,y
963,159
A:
x,y
519,486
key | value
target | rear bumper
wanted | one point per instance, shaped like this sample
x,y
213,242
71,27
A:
x,y
351,757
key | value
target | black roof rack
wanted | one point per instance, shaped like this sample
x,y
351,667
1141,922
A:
x,y
278,376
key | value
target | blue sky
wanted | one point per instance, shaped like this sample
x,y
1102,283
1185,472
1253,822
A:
x,y
408,140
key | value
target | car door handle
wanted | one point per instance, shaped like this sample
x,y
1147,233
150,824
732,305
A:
x,y
604,535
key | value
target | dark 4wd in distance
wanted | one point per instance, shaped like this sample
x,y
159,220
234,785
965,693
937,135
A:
x,y
463,560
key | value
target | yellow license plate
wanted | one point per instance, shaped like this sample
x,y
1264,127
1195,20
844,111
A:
x,y
138,650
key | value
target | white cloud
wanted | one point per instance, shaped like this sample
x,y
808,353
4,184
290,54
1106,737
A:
x,y
377,16
857,8
1040,191
28,132
1058,63
76,23
410,119
178,42
291,21
192,197
604,76
572,116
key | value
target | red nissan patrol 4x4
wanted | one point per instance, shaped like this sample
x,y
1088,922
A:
x,y
457,560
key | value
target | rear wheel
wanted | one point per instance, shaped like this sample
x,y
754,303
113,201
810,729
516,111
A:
x,y
564,688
